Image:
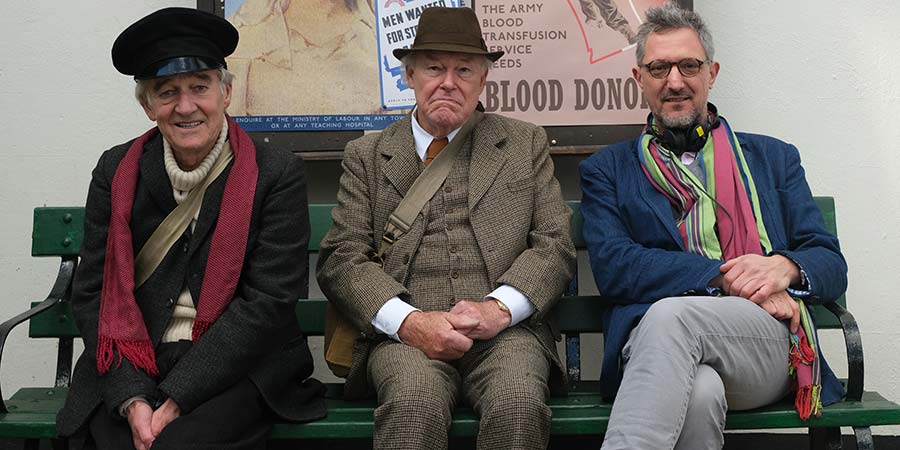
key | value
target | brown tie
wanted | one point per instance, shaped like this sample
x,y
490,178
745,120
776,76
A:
x,y
434,148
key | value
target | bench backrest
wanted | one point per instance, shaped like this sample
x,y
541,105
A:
x,y
59,232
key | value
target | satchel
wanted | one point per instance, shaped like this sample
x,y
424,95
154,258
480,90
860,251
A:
x,y
340,333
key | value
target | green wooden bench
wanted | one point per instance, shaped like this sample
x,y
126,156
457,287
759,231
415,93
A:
x,y
30,413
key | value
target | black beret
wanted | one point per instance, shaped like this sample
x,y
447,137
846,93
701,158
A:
x,y
172,41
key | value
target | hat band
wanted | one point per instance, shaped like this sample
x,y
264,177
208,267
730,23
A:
x,y
175,66
460,39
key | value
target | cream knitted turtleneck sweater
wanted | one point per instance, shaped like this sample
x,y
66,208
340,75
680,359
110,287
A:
x,y
182,183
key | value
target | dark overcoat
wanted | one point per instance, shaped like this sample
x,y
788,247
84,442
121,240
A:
x,y
257,335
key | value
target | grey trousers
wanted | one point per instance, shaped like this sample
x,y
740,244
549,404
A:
x,y
688,361
504,380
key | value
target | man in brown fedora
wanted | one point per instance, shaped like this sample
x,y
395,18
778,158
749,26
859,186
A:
x,y
454,310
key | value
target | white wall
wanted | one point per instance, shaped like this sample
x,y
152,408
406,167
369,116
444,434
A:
x,y
822,75
61,104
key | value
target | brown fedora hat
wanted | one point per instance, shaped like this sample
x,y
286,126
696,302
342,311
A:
x,y
449,30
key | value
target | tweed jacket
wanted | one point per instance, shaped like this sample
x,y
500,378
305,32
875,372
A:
x,y
257,335
638,257
516,212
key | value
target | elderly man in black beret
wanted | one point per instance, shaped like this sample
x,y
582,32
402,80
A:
x,y
456,309
195,251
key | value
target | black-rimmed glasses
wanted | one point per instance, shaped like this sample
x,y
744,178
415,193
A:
x,y
688,67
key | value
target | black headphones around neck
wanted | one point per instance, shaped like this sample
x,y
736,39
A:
x,y
690,139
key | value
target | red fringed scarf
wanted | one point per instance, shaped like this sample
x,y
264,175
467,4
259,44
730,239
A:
x,y
121,324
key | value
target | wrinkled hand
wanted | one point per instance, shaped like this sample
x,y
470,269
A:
x,y
781,306
491,320
139,418
757,277
440,335
163,415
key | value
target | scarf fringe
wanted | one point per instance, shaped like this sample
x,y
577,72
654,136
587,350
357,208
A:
x,y
139,353
808,402
801,352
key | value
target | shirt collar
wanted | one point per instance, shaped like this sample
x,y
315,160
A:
x,y
423,138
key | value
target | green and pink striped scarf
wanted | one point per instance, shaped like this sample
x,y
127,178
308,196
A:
x,y
741,229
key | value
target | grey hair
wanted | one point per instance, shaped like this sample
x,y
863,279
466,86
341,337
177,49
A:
x,y
142,87
671,17
411,58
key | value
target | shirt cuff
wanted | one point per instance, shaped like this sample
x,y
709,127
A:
x,y
805,289
391,316
123,409
520,308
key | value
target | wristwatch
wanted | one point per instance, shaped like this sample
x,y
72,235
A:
x,y
503,307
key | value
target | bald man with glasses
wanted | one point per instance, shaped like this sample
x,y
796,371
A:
x,y
707,245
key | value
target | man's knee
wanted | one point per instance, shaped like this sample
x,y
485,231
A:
x,y
420,399
514,414
708,391
414,416
518,401
704,420
420,396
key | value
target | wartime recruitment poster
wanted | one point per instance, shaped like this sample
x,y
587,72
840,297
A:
x,y
567,62
318,65
306,65
397,22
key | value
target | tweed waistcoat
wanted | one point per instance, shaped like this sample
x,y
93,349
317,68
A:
x,y
448,265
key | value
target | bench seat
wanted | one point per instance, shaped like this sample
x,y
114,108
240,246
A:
x,y
32,415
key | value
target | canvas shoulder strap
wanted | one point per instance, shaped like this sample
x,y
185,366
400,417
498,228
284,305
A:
x,y
428,182
174,225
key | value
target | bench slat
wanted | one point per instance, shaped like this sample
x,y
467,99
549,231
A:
x,y
33,413
579,315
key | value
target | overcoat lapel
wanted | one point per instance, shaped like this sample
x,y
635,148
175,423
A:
x,y
154,176
488,157
209,209
403,164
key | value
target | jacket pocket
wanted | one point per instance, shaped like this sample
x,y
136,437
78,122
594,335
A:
x,y
520,184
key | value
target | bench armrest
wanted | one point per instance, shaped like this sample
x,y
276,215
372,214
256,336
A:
x,y
58,293
855,372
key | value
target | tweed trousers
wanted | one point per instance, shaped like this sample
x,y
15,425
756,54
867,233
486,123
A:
x,y
504,379
688,361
